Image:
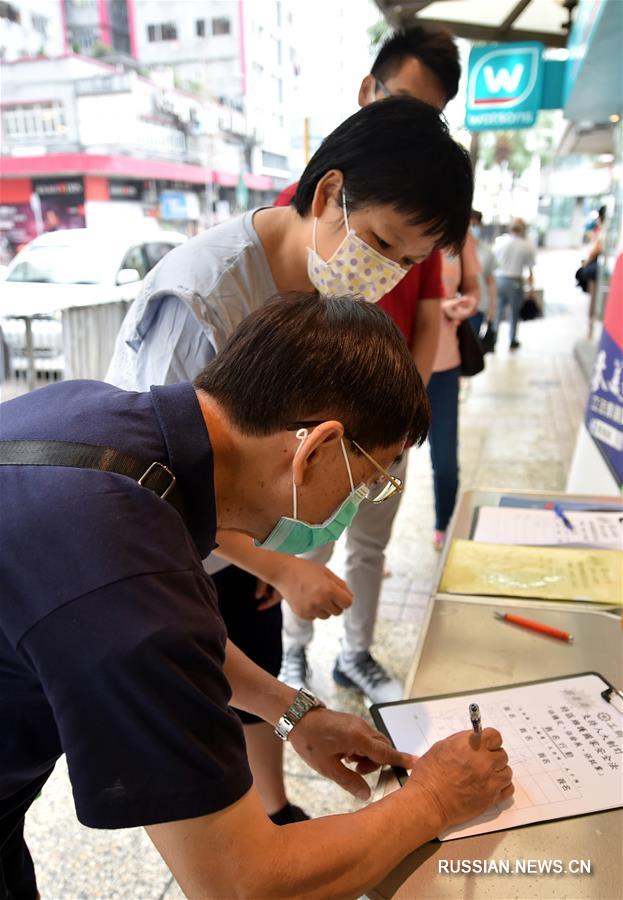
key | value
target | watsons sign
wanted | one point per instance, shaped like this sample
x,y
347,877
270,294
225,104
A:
x,y
504,86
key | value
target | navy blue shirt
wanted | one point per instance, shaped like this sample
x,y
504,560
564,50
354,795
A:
x,y
111,642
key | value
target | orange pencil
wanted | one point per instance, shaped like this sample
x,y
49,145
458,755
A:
x,y
541,627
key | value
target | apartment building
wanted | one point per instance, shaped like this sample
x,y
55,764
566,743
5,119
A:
x,y
240,52
30,28
87,143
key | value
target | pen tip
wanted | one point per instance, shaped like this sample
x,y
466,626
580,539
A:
x,y
498,615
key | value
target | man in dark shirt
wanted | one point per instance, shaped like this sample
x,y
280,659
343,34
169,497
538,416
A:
x,y
112,649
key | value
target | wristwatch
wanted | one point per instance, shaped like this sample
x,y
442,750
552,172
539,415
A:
x,y
303,702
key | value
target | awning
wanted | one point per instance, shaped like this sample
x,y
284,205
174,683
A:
x,y
586,139
123,166
494,21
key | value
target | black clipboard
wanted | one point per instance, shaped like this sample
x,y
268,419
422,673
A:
x,y
609,694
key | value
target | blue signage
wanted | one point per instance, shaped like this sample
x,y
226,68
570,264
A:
x,y
504,86
604,411
173,206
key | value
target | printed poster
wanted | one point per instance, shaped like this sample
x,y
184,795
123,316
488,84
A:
x,y
604,410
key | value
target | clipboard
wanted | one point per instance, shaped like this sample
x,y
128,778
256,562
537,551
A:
x,y
561,769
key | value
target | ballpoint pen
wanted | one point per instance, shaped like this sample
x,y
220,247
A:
x,y
541,627
474,715
561,515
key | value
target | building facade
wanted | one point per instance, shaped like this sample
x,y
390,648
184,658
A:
x,y
239,52
87,143
29,28
178,110
99,25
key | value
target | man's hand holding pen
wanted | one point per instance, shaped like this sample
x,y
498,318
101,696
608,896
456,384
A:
x,y
463,775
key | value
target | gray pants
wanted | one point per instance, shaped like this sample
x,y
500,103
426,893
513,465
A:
x,y
366,540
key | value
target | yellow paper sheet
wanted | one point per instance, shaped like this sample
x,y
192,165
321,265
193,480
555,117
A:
x,y
550,573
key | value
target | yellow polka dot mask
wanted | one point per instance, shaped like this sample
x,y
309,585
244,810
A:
x,y
355,268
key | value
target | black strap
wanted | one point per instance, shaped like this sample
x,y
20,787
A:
x,y
154,476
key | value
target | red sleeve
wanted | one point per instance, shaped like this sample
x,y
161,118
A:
x,y
431,285
285,197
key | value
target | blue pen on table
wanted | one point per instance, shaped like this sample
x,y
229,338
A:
x,y
561,515
474,715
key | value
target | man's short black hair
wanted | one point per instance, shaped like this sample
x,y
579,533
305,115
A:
x,y
398,152
476,214
306,356
435,48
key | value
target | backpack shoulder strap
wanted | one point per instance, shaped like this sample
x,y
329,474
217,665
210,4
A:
x,y
154,476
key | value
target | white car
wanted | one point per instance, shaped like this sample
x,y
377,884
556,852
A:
x,y
72,268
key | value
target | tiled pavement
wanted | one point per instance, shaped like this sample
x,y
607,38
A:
x,y
518,424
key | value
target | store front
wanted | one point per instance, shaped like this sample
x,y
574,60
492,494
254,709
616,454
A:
x,y
78,190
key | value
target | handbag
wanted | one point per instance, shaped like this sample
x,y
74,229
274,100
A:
x,y
529,309
580,279
489,338
470,349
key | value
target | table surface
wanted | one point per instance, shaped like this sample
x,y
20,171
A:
x,y
463,519
465,647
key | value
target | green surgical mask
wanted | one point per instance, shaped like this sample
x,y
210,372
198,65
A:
x,y
291,535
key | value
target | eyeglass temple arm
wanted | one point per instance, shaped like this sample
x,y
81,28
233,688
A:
x,y
312,423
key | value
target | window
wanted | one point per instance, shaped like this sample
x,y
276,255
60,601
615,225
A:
x,y
276,88
7,11
165,31
62,264
85,37
200,27
34,120
135,259
561,212
40,24
155,251
274,160
221,26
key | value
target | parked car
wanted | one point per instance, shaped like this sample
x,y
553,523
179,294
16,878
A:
x,y
71,268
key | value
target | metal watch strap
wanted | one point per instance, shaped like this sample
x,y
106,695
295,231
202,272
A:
x,y
303,702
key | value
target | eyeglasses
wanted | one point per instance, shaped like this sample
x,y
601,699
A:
x,y
384,487
381,87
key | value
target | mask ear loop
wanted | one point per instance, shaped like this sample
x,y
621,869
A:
x,y
346,225
301,436
314,227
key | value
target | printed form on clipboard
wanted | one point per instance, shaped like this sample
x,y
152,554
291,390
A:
x,y
543,527
564,739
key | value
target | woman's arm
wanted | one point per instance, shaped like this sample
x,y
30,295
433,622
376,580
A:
x,y
312,590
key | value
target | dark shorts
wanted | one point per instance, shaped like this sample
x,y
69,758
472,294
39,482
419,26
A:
x,y
17,873
256,633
